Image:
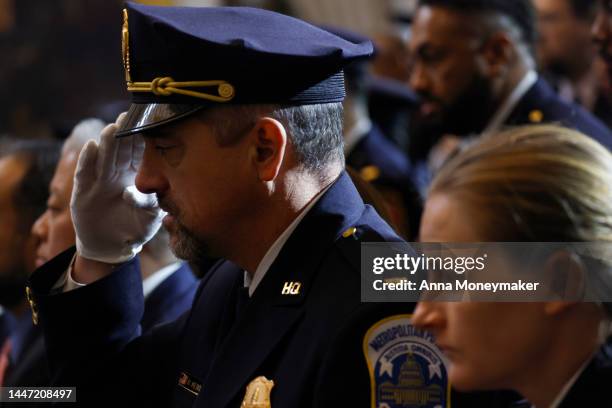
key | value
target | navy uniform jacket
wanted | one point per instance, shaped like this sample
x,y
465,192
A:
x,y
539,105
381,162
390,103
592,388
542,105
166,303
374,149
170,299
208,356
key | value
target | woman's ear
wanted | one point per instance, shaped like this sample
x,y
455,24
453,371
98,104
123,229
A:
x,y
269,145
565,275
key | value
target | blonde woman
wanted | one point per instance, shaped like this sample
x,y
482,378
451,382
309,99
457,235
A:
x,y
538,184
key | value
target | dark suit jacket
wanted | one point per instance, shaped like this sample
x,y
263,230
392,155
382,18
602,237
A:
x,y
28,363
170,299
28,352
7,322
208,356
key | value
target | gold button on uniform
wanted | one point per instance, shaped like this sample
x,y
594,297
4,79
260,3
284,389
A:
x,y
536,116
349,232
33,306
370,173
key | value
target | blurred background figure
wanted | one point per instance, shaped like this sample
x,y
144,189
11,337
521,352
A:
x,y
474,69
57,49
25,171
542,184
392,102
375,157
392,57
168,285
568,57
602,35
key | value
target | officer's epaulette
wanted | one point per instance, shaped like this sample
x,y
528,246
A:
x,y
350,241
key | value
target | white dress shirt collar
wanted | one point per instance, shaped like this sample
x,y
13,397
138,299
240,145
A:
x,y
510,103
568,386
276,247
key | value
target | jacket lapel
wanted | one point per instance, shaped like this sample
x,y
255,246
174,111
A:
x,y
277,304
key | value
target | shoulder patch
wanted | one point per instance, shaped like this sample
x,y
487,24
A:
x,y
406,368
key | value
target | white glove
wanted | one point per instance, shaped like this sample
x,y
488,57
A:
x,y
111,218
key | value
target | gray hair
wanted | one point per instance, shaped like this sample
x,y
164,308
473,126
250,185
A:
x,y
315,131
84,131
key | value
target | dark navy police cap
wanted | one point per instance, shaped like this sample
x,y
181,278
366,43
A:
x,y
180,59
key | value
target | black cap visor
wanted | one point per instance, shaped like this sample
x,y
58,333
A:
x,y
142,117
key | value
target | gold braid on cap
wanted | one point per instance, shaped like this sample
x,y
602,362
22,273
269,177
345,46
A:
x,y
166,86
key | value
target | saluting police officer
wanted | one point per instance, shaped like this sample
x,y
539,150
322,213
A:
x,y
236,131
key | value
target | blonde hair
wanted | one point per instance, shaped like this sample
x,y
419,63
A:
x,y
534,183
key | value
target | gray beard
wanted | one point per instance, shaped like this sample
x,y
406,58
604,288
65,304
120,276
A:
x,y
188,246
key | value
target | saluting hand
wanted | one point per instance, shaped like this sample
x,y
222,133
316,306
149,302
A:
x,y
111,218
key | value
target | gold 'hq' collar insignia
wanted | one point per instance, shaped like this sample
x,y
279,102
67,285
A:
x,y
166,86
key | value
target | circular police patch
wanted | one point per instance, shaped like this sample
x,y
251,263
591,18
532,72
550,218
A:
x,y
407,369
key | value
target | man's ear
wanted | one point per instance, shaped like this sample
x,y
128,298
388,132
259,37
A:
x,y
497,53
268,147
566,277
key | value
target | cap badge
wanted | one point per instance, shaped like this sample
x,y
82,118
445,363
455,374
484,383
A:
x,y
166,86
125,47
